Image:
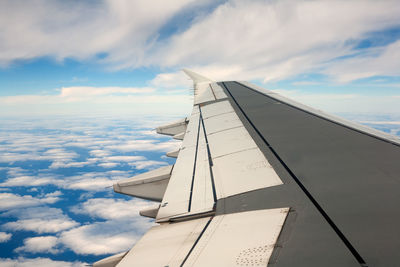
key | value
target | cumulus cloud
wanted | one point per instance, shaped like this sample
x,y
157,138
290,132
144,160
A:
x,y
104,237
11,201
172,80
154,103
123,158
108,164
99,153
28,181
92,181
149,164
40,220
107,208
41,225
146,145
53,154
43,262
86,91
40,244
122,228
4,237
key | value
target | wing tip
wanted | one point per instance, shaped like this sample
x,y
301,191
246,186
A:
x,y
197,78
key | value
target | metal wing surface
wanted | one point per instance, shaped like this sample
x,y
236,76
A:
x,y
261,180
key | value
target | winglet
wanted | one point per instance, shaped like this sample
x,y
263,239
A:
x,y
197,78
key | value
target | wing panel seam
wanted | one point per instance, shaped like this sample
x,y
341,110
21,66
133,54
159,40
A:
x,y
209,158
197,240
194,167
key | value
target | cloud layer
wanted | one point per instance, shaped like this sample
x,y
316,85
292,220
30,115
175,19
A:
x,y
267,40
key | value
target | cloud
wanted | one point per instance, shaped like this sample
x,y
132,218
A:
x,y
87,91
108,164
41,225
172,80
4,237
155,103
104,237
39,244
12,201
60,164
28,181
262,40
90,181
42,262
40,220
123,158
379,61
112,209
118,29
149,164
99,153
55,154
122,228
146,145
274,40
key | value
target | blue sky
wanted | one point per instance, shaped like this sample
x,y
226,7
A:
x,y
83,84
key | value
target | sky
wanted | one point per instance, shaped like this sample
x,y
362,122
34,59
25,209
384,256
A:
x,y
84,83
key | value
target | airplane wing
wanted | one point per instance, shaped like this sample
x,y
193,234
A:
x,y
261,180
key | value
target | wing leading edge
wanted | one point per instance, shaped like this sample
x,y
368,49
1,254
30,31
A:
x,y
259,180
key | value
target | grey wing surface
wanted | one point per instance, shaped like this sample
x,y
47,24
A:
x,y
261,180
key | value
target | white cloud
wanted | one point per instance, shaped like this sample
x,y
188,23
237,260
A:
x,y
146,145
112,209
40,244
108,164
123,158
122,228
42,262
41,225
87,91
54,154
4,237
91,184
379,61
28,181
155,103
60,164
273,40
40,220
120,28
92,181
99,153
13,201
172,80
104,237
149,164
263,40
